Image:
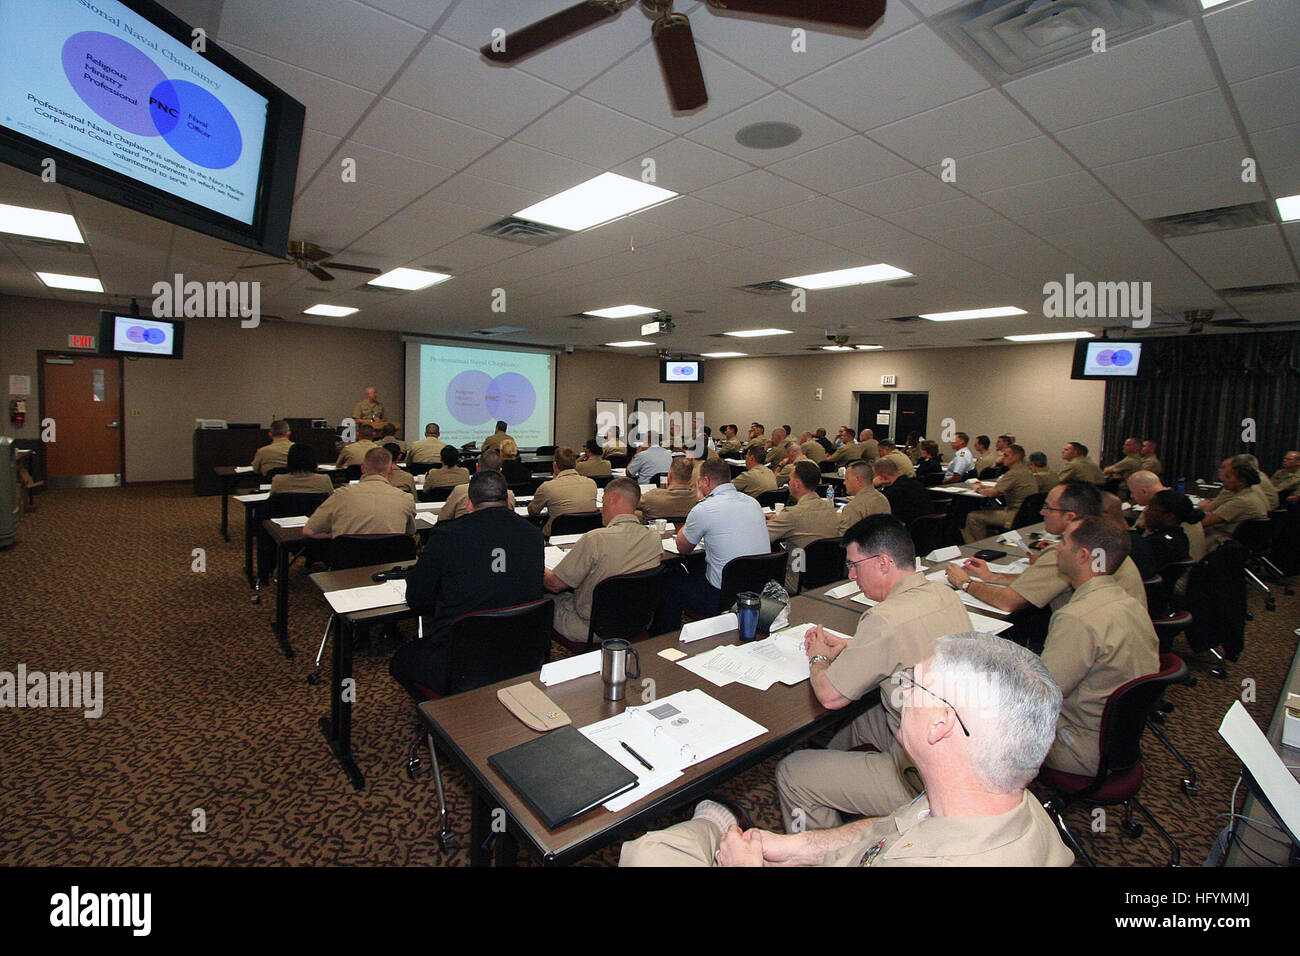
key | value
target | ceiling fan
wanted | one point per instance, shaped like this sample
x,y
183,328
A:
x,y
309,256
672,33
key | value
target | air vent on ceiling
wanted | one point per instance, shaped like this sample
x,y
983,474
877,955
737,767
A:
x,y
522,230
775,287
1013,37
499,330
1251,291
1212,220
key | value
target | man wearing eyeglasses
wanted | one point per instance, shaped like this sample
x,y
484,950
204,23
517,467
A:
x,y
816,786
978,716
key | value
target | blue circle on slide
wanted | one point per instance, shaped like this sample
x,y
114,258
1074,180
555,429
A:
x,y
155,336
1121,357
511,398
465,397
196,124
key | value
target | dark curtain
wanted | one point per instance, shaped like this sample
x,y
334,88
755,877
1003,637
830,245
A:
x,y
1198,391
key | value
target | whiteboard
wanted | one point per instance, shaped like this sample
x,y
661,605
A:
x,y
648,420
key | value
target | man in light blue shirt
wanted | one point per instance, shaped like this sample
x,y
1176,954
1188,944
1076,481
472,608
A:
x,y
962,465
649,463
729,524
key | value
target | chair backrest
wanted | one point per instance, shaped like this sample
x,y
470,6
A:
x,y
1216,597
393,449
287,504
435,492
769,499
1031,510
360,550
421,467
1255,535
823,563
618,461
544,451
988,474
516,472
827,466
579,522
930,532
1125,715
602,480
750,572
1174,570
489,646
352,472
623,605
275,471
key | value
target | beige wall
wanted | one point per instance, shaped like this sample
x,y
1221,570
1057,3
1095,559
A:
x,y
583,377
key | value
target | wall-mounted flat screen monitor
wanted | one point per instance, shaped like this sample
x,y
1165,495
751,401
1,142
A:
x,y
1105,359
679,370
116,94
134,335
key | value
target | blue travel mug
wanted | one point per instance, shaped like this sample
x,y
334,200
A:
x,y
747,604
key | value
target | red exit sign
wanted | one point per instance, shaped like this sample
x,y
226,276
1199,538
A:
x,y
81,341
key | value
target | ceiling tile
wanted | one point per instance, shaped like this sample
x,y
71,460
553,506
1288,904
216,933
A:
x,y
996,169
1200,177
400,129
526,168
973,124
1255,38
899,192
683,166
755,192
332,106
842,165
1277,151
1269,100
1237,257
1189,121
591,133
817,129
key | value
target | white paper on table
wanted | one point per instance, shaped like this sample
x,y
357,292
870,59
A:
x,y
707,627
250,498
987,625
571,668
1253,748
702,666
364,598
843,591
429,505
1018,566
920,565
425,517
293,522
565,538
522,510
938,555
703,726
618,472
670,545
243,469
552,557
265,487
863,599
327,467
645,488
523,499
659,752
1012,538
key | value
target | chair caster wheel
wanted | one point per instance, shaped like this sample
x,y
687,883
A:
x,y
1133,830
413,767
313,678
444,839
1190,787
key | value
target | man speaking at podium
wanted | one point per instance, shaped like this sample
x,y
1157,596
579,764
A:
x,y
369,410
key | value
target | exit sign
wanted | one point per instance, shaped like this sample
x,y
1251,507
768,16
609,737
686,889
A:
x,y
81,341
889,380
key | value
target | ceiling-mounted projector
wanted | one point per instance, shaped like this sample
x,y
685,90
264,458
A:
x,y
660,326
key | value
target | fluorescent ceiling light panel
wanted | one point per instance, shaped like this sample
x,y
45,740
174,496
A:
x,y
1048,336
755,333
1288,207
621,312
598,200
333,311
1206,4
22,221
867,348
837,348
724,354
860,275
627,345
974,314
409,280
76,283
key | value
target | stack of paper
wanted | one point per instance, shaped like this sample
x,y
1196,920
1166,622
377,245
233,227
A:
x,y
364,598
251,498
243,469
843,590
294,522
553,556
565,538
758,664
987,625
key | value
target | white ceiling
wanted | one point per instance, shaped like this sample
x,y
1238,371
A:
x,y
1055,172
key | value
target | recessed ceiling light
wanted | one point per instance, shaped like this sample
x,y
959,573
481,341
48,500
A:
x,y
409,279
1049,336
724,354
755,333
627,345
333,311
973,314
76,283
621,312
598,200
837,348
22,221
1288,207
860,275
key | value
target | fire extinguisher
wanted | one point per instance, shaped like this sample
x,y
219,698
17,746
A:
x,y
18,412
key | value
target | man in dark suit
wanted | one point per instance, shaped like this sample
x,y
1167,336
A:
x,y
908,498
490,558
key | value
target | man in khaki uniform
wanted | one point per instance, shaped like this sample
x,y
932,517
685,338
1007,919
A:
x,y
388,436
849,450
402,480
496,438
897,633
793,454
730,446
980,757
1147,453
757,440
864,499
887,449
369,409
1287,478
613,444
450,474
1099,641
591,464
622,546
371,506
457,503
1042,583
812,448
677,499
757,478
276,454
1266,486
808,519
776,446
429,448
355,453
1046,478
567,493
302,476
1131,462
1240,500
1017,484
869,447
985,458
1078,466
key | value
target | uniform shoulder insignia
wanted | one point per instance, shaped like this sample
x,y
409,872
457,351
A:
x,y
870,856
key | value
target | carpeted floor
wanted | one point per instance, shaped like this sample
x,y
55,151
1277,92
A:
x,y
208,751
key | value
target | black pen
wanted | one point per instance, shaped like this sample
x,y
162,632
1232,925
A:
x,y
639,758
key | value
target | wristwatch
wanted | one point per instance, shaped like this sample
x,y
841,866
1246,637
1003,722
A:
x,y
965,585
818,657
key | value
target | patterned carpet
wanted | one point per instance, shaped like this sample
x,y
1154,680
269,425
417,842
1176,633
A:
x,y
208,752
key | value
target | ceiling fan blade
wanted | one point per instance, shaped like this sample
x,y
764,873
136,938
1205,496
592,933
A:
x,y
266,265
308,251
856,14
368,270
318,272
555,27
675,45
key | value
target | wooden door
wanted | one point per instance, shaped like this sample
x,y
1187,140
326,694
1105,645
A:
x,y
81,409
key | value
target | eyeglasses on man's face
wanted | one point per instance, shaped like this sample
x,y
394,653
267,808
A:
x,y
851,567
905,680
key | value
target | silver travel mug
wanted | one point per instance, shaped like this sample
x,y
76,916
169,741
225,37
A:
x,y
614,674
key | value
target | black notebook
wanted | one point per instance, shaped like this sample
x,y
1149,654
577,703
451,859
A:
x,y
562,775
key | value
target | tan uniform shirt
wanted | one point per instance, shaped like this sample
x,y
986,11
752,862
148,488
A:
x,y
274,455
1099,641
403,481
371,506
368,411
774,454
799,525
426,451
444,476
814,451
868,501
870,449
1082,469
1269,490
755,481
1125,467
495,439
1234,507
988,460
621,547
785,471
849,451
905,466
301,483
613,448
1195,532
1286,482
757,443
673,502
457,503
566,493
730,448
1043,584
1151,463
593,468
1046,479
1017,484
355,454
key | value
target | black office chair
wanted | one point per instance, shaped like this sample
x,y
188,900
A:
x,y
352,472
393,449
828,467
484,647
621,606
579,522
516,472
435,492
990,474
1256,536
417,468
273,472
770,499
618,461
602,480
282,505
1120,770
1030,511
930,532
545,451
1215,597
823,563
750,572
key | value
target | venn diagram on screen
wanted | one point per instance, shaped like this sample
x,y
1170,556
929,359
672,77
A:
x,y
1117,358
128,89
146,335
474,398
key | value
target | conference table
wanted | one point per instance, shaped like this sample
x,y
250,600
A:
x,y
474,725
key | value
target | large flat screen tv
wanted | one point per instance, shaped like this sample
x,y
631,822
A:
x,y
1106,359
113,93
135,335
679,370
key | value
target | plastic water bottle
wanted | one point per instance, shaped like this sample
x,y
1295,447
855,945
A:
x,y
830,493
1181,485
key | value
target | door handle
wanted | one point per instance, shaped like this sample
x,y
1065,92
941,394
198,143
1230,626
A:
x,y
113,425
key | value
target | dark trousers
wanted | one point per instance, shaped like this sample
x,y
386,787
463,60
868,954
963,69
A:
x,y
684,589
423,663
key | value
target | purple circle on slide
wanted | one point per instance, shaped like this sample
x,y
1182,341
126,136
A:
x,y
113,78
1121,358
196,124
155,336
511,398
1105,357
465,397
135,333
